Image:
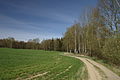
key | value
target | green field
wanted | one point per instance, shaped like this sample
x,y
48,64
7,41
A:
x,y
22,64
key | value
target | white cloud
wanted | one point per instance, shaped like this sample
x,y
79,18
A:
x,y
25,36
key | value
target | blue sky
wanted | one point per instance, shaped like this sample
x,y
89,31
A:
x,y
28,19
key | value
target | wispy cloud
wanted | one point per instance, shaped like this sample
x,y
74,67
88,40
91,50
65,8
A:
x,y
25,35
35,10
24,30
7,21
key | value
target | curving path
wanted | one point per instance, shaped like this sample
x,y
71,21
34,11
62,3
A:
x,y
94,74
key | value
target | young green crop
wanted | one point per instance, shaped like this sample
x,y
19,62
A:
x,y
24,64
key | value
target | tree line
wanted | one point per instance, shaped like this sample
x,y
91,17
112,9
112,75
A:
x,y
96,33
48,44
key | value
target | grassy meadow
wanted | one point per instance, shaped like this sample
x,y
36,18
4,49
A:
x,y
19,64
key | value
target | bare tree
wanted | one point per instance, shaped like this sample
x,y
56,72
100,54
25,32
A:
x,y
110,9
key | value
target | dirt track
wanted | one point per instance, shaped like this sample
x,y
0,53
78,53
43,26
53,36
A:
x,y
94,73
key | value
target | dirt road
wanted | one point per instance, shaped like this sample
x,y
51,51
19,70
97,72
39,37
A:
x,y
97,71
